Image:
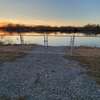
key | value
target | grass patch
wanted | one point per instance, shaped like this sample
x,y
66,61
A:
x,y
15,98
90,57
12,52
10,56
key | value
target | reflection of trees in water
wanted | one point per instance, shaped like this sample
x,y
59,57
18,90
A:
x,y
9,41
21,38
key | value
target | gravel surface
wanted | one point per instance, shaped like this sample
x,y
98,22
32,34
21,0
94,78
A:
x,y
44,74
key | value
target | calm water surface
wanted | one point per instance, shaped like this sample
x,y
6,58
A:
x,y
54,39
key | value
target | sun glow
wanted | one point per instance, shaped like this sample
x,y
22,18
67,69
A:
x,y
55,22
33,22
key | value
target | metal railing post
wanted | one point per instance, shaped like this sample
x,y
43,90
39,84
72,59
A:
x,y
45,40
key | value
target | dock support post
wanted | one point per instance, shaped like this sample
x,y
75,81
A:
x,y
21,39
46,40
72,44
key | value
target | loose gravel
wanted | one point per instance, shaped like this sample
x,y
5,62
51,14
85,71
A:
x,y
44,74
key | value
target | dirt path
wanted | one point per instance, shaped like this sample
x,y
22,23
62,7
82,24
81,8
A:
x,y
45,75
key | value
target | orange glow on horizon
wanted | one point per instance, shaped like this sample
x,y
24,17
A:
x,y
43,22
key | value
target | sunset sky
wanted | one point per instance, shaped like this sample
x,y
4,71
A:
x,y
50,12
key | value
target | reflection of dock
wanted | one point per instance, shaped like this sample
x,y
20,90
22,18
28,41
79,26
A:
x,y
72,42
21,39
45,38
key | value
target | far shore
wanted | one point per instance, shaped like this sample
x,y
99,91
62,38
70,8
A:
x,y
18,28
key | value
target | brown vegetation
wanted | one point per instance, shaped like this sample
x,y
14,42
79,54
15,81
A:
x,y
10,53
14,98
90,58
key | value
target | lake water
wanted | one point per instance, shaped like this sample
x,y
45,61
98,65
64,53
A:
x,y
53,39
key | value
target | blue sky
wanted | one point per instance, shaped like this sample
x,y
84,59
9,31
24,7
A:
x,y
50,12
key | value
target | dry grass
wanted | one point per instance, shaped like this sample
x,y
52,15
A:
x,y
15,48
11,53
90,57
87,51
10,56
15,98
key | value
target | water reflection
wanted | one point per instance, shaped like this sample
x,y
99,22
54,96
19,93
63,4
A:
x,y
53,39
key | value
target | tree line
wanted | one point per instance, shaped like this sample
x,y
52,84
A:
x,y
88,29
